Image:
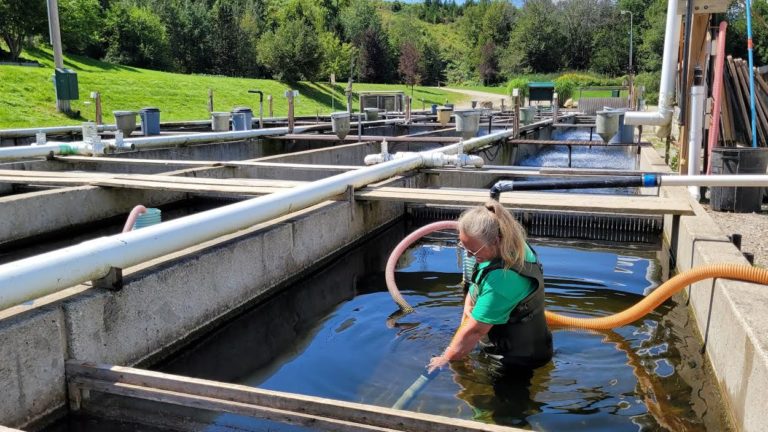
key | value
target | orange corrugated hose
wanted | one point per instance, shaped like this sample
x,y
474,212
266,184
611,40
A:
x,y
659,295
640,309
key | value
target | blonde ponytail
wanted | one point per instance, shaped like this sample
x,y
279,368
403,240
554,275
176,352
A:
x,y
491,223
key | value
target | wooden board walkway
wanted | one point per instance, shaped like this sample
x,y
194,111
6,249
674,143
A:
x,y
634,204
637,205
84,379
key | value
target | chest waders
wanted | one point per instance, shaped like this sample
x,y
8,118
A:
x,y
524,340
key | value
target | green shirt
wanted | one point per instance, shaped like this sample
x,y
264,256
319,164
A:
x,y
500,292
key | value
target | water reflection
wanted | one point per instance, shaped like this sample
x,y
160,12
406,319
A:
x,y
636,378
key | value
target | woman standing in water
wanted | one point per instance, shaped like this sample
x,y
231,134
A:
x,y
505,298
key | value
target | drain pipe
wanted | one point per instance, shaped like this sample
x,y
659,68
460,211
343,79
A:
x,y
696,131
50,272
49,149
261,107
663,116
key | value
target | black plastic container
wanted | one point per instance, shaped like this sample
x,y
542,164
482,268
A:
x,y
738,160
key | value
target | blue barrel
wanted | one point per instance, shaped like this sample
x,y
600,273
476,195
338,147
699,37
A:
x,y
242,118
150,121
434,108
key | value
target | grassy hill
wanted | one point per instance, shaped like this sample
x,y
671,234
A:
x,y
28,96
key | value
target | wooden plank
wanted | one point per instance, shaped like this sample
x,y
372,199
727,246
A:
x,y
637,205
743,72
213,164
737,84
192,188
219,405
308,405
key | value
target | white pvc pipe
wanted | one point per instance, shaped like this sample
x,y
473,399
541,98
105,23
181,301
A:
x,y
742,180
698,98
668,70
44,274
25,132
25,152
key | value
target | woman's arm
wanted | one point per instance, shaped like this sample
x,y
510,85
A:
x,y
463,342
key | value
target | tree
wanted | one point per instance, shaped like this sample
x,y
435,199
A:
x,y
357,18
136,36
336,56
291,52
374,62
81,24
528,49
488,69
410,65
19,19
652,30
188,24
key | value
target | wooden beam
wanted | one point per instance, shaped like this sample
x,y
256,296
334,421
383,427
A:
x,y
636,205
252,163
221,396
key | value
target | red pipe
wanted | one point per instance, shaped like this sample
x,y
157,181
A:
x,y
717,93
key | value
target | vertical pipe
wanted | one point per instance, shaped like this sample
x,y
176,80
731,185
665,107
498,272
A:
x,y
751,73
696,128
717,94
668,71
686,53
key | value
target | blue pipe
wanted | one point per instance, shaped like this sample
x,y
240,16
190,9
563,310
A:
x,y
751,73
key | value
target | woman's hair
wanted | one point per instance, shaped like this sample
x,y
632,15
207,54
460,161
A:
x,y
491,223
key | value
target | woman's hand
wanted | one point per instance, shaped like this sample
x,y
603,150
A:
x,y
436,363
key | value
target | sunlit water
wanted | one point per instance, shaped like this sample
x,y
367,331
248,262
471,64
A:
x,y
645,376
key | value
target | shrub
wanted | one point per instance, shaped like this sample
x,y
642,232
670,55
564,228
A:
x,y
519,83
650,80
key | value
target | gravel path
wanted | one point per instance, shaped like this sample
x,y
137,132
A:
x,y
753,228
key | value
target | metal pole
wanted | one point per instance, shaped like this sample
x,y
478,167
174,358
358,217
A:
x,y
751,73
58,58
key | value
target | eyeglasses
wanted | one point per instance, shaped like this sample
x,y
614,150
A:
x,y
469,252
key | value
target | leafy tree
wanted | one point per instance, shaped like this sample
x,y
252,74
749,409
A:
x,y
226,43
19,19
188,24
336,56
535,44
610,47
136,36
357,18
374,62
488,69
81,22
410,65
291,52
652,29
579,20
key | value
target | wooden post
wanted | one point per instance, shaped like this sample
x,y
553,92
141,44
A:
x,y
97,102
516,102
290,94
210,101
269,98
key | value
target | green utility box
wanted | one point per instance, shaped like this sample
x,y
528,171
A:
x,y
541,91
66,84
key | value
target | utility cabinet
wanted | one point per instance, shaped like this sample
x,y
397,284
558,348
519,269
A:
x,y
65,81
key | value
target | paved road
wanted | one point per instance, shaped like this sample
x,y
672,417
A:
x,y
477,95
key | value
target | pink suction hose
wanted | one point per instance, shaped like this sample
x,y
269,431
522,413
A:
x,y
398,251
139,209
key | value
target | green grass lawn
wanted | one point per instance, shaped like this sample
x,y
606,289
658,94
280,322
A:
x,y
29,101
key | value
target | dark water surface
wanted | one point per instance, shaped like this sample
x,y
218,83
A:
x,y
646,376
